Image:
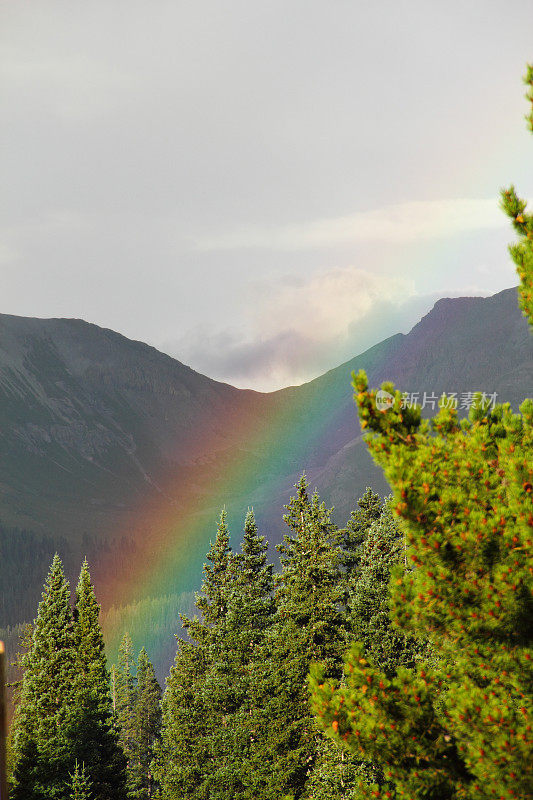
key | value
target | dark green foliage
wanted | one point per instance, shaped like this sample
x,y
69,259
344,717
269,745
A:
x,y
124,702
310,625
230,685
63,710
147,727
216,588
41,748
80,788
184,758
384,549
309,589
369,508
338,771
94,741
209,717
236,718
182,753
335,774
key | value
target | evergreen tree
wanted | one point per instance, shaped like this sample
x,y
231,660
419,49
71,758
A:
x,y
335,774
182,754
125,701
341,773
249,615
216,587
369,604
464,491
41,748
147,727
310,625
369,509
80,788
191,716
94,742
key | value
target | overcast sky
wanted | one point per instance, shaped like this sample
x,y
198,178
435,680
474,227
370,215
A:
x,y
260,189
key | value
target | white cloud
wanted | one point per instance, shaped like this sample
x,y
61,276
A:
x,y
299,328
325,306
401,222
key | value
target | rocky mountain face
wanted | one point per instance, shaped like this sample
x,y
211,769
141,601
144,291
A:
x,y
94,426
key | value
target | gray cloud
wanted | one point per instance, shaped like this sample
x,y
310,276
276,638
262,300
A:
x,y
131,132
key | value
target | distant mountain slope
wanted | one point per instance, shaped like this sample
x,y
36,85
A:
x,y
96,428
89,419
463,344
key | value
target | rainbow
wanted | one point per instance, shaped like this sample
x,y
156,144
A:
x,y
172,538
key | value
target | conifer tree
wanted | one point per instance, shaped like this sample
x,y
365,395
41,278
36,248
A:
x,y
189,712
464,492
216,587
125,701
310,626
337,771
147,727
41,748
369,508
369,605
249,615
335,774
94,741
182,754
80,788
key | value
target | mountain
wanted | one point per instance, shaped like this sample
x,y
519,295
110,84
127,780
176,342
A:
x,y
104,441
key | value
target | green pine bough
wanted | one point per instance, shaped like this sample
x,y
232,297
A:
x,y
460,725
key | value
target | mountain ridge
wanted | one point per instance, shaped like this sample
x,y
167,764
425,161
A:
x,y
96,427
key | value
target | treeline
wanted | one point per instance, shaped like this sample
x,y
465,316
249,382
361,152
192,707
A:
x,y
157,615
24,553
236,717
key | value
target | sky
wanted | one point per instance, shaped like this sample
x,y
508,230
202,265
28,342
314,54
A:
x,y
262,190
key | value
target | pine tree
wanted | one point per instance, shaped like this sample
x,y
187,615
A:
x,y
369,509
125,691
338,774
335,774
80,788
464,492
94,741
182,754
41,748
369,603
147,727
310,625
249,615
190,715
216,587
